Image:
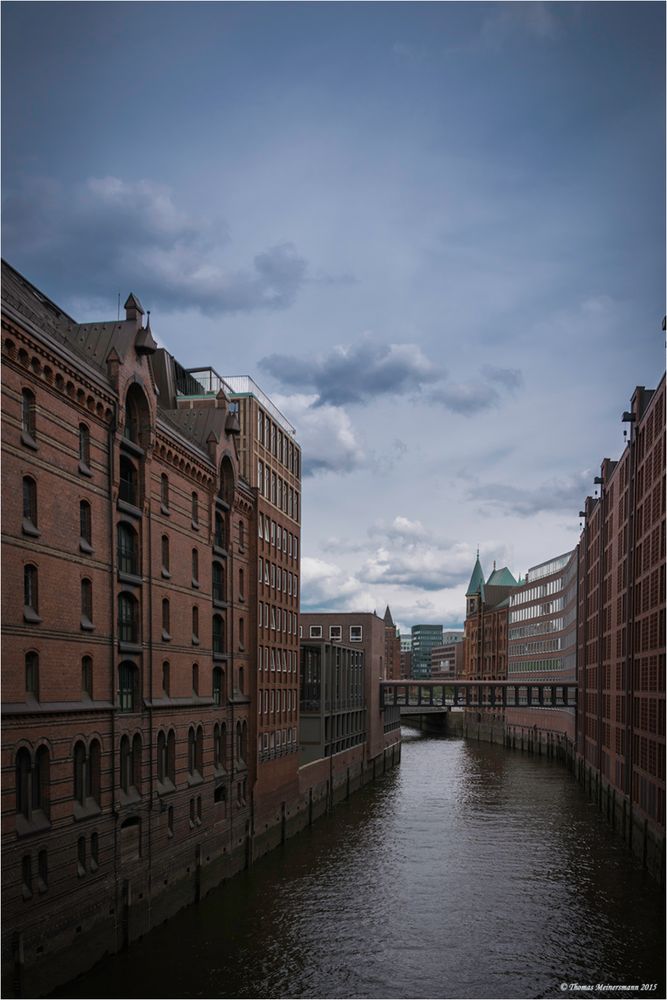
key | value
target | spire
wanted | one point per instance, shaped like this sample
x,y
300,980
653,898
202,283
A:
x,y
476,585
388,620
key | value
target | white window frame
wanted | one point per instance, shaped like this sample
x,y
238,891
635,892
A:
x,y
315,632
356,638
336,632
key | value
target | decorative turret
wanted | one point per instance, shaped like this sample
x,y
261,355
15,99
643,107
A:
x,y
388,620
133,309
144,342
476,585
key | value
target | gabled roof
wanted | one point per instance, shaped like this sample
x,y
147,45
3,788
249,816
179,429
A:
x,y
476,585
501,578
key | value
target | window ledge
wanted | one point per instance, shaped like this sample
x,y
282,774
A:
x,y
165,573
85,546
38,821
166,637
220,551
165,787
220,656
87,625
85,470
195,525
30,529
195,583
129,647
86,809
220,604
128,508
165,510
29,441
129,798
31,616
195,640
130,578
195,779
131,446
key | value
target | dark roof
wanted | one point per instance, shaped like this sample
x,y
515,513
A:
x,y
476,585
388,620
501,578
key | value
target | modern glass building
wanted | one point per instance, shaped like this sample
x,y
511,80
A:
x,y
424,638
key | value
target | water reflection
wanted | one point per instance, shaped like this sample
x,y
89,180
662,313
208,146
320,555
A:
x,y
470,871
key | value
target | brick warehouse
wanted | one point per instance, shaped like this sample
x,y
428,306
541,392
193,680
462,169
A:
x,y
151,678
621,633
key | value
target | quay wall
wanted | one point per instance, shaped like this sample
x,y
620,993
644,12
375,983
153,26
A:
x,y
36,964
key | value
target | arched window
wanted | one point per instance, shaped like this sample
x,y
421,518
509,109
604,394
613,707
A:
x,y
199,755
171,756
217,747
137,416
129,487
164,550
84,447
87,676
32,674
241,680
86,603
195,625
165,619
227,483
85,526
195,678
217,686
94,771
28,414
164,492
244,741
241,534
218,635
125,764
128,618
24,783
192,750
219,533
30,589
40,781
136,762
128,549
195,510
195,568
161,756
166,679
80,773
218,582
239,743
128,677
241,585
241,633
29,505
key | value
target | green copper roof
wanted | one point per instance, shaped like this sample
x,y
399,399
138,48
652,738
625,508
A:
x,y
476,585
501,578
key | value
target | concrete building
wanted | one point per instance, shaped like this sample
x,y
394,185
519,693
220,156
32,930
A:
x,y
333,704
621,631
542,641
447,660
424,639
364,631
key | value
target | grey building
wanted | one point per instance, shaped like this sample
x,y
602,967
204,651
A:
x,y
424,638
332,706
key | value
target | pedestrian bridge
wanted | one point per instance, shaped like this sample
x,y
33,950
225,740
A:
x,y
430,696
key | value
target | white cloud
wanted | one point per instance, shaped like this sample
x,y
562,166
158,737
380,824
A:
x,y
325,433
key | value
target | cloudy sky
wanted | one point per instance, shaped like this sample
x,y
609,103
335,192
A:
x,y
434,233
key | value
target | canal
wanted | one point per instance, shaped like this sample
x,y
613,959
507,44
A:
x,y
469,871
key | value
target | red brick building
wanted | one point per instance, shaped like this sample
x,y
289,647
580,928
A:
x,y
447,660
133,732
392,648
485,627
621,632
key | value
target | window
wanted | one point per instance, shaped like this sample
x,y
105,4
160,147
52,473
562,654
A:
x,y
128,677
87,773
195,678
356,633
94,852
195,510
218,635
164,551
42,870
165,620
217,686
130,765
227,484
32,783
86,604
85,527
29,506
129,489
219,535
164,493
161,756
218,747
315,631
84,448
30,594
166,679
81,856
32,675
128,549
241,633
87,676
195,751
28,416
195,625
241,585
218,582
241,534
195,568
128,618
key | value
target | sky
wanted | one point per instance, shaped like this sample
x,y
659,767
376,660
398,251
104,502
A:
x,y
433,233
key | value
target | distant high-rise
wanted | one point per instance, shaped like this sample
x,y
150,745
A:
x,y
424,638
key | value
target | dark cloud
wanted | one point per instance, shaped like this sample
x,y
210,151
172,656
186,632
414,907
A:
x,y
107,235
565,494
356,374
468,398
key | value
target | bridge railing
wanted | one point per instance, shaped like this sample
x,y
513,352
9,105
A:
x,y
479,694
